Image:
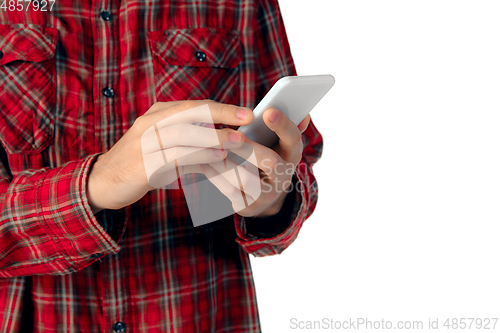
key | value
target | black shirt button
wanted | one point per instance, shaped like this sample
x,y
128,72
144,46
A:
x,y
1,54
108,92
105,15
119,327
200,56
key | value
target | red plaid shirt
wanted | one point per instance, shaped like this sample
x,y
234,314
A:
x,y
72,82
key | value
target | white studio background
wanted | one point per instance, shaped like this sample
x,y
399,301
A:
x,y
407,225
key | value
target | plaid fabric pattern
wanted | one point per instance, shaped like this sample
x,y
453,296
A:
x,y
144,266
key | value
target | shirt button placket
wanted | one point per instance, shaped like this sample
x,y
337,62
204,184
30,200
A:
x,y
106,82
108,91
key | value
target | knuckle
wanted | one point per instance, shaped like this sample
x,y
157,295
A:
x,y
190,104
220,110
209,155
274,161
226,110
234,193
299,156
297,138
140,122
224,133
299,150
160,105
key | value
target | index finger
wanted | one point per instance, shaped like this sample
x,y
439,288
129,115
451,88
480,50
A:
x,y
200,111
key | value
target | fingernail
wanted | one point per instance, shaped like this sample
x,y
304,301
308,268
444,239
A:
x,y
234,137
241,113
219,152
274,116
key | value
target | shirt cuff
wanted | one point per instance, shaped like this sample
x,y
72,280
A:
x,y
64,211
272,235
112,221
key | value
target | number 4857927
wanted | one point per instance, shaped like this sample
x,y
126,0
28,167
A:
x,y
25,5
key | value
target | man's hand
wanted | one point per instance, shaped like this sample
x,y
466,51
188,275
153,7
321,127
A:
x,y
119,177
276,165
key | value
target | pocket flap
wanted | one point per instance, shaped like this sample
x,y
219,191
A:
x,y
200,47
27,42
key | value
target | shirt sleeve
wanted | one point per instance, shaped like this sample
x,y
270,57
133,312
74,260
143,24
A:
x,y
46,223
273,61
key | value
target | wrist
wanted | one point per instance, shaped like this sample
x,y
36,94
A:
x,y
275,207
93,188
273,225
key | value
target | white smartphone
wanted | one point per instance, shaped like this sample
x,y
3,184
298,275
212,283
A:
x,y
295,96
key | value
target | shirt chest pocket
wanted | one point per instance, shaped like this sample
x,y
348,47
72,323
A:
x,y
27,87
199,63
